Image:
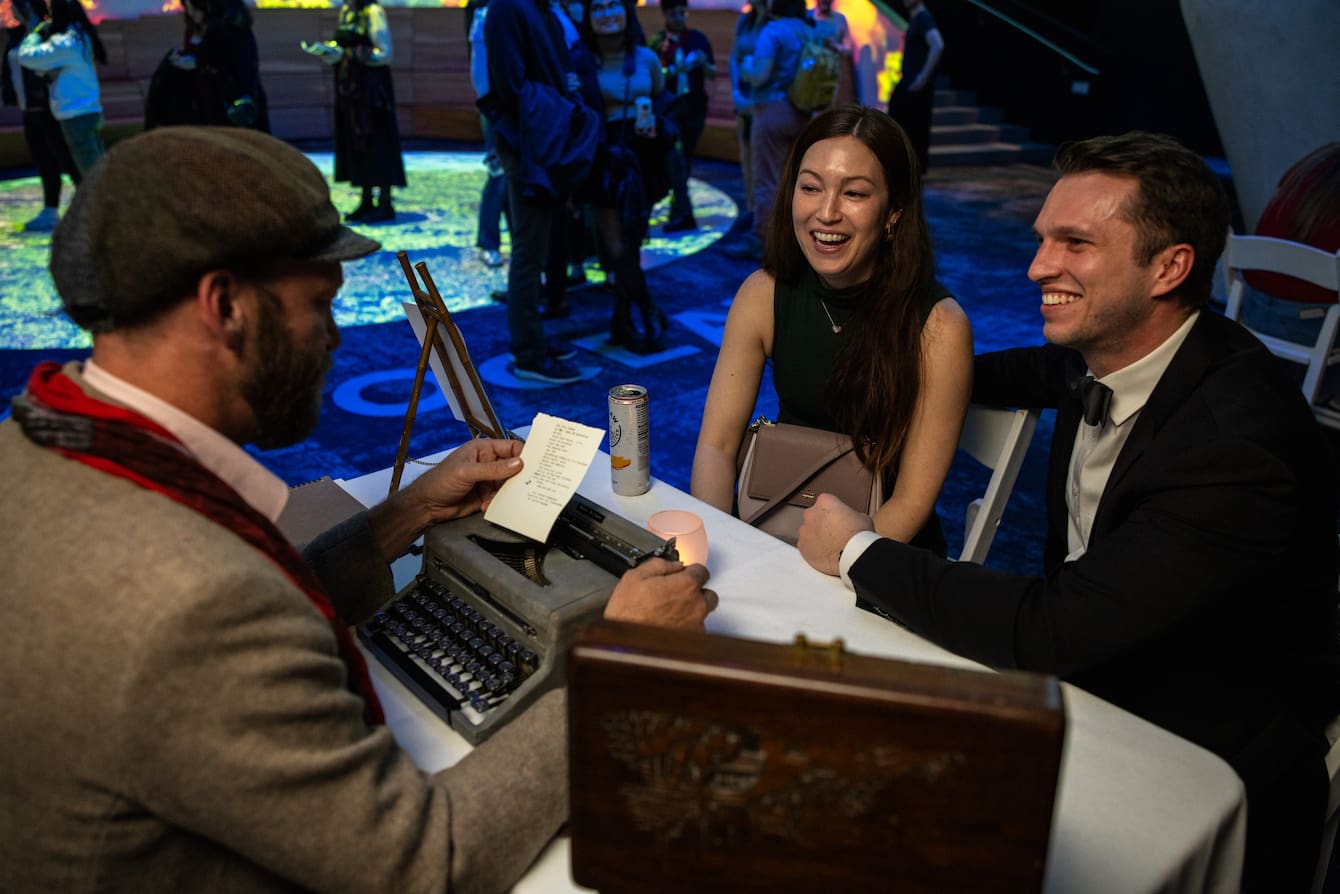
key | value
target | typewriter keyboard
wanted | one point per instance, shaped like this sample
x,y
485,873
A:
x,y
449,652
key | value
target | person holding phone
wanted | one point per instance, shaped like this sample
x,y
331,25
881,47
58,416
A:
x,y
623,78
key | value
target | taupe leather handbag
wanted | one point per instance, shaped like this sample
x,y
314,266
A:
x,y
783,468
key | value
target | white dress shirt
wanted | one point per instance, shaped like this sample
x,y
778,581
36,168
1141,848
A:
x,y
260,488
1098,446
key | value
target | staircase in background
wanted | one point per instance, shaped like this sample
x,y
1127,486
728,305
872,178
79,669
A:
x,y
964,133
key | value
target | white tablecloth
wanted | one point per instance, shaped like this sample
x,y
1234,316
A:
x,y
1138,809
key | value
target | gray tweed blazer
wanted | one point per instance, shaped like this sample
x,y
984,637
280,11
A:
x,y
175,716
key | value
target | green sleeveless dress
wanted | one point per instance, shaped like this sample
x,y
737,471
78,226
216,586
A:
x,y
805,348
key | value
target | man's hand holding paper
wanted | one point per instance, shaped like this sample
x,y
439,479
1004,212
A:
x,y
555,459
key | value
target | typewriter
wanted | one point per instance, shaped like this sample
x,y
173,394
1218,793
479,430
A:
x,y
484,628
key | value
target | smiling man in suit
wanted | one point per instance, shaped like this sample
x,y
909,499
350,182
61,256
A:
x,y
1191,555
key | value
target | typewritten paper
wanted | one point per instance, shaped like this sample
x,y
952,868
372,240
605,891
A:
x,y
554,461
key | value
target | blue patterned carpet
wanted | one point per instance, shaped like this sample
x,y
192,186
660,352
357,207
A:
x,y
980,219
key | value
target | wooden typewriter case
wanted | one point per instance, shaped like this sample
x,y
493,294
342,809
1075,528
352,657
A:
x,y
708,763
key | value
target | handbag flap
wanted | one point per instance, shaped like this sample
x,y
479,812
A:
x,y
781,452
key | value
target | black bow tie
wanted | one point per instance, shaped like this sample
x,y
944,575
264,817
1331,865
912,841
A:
x,y
1096,398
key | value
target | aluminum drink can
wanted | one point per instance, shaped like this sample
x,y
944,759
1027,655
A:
x,y
630,447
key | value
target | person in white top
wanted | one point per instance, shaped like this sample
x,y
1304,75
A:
x,y
64,49
41,131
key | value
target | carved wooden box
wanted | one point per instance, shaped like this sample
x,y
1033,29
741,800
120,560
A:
x,y
708,763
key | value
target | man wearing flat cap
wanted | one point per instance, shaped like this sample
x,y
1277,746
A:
x,y
185,708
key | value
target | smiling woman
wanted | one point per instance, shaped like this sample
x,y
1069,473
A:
x,y
840,211
863,340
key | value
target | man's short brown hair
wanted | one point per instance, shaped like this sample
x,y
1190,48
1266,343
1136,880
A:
x,y
1178,199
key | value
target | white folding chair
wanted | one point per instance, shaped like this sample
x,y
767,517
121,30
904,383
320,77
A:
x,y
998,439
1304,262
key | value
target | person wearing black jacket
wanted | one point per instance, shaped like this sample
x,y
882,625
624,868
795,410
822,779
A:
x,y
215,77
546,139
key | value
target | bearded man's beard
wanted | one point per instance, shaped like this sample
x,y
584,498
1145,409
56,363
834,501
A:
x,y
284,383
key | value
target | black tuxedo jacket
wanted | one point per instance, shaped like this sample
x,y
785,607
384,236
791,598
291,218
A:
x,y
1205,601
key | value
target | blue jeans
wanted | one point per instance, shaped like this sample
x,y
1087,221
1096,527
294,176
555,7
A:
x,y
1297,321
530,223
83,137
492,198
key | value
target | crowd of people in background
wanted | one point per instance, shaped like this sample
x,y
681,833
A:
x,y
651,102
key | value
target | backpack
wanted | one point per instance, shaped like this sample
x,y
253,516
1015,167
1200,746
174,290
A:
x,y
816,82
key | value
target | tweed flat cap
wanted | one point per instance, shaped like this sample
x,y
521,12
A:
x,y
166,206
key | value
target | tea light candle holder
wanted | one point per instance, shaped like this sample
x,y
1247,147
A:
x,y
688,531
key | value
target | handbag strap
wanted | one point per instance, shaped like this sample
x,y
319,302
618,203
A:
x,y
805,474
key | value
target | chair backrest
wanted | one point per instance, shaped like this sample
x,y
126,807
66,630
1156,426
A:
x,y
1304,262
998,439
1271,255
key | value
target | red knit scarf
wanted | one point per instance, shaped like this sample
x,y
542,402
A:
x,y
56,413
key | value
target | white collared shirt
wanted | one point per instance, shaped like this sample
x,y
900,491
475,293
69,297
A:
x,y
261,489
1098,446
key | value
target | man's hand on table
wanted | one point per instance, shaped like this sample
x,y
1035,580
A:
x,y
663,594
826,528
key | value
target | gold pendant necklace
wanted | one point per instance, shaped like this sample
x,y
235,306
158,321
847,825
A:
x,y
836,327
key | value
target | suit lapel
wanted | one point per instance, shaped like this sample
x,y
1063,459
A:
x,y
1179,381
1069,412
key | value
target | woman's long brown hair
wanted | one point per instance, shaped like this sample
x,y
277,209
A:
x,y
876,380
